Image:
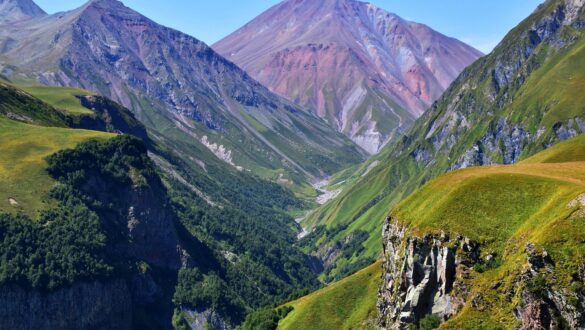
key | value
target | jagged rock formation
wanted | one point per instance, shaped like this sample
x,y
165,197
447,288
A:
x,y
420,276
204,320
368,72
92,305
544,307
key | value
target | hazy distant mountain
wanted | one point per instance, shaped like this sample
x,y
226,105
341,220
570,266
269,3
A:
x,y
16,10
106,47
366,71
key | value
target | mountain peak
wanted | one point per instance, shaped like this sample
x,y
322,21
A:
x,y
18,10
105,4
379,65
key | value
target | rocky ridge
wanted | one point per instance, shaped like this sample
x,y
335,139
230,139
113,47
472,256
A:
x,y
420,276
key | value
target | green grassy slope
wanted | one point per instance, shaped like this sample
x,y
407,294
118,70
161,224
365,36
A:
x,y
534,202
18,105
347,304
251,223
61,98
31,130
542,97
24,182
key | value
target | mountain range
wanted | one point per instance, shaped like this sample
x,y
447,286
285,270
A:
x,y
369,73
149,182
520,99
174,82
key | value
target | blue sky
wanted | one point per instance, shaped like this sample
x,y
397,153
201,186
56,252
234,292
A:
x,y
480,23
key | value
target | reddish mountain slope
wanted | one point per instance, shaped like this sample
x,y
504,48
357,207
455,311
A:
x,y
366,71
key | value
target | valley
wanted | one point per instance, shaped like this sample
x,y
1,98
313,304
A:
x,y
328,165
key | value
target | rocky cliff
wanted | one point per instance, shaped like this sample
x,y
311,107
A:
x,y
93,305
420,276
116,185
431,277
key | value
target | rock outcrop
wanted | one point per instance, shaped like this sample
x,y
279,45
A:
x,y
420,276
429,275
94,305
545,306
205,320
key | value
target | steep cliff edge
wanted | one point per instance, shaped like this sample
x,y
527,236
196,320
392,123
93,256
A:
x,y
485,247
102,254
92,305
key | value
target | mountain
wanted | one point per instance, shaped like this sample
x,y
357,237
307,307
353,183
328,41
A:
x,y
126,232
368,72
18,10
522,98
179,87
452,257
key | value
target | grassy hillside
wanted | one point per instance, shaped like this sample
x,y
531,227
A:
x,y
509,105
24,182
347,304
61,98
537,202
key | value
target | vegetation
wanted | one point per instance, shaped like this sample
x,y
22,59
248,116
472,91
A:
x,y
347,304
61,98
24,183
537,204
266,318
66,245
429,322
542,98
20,106
239,230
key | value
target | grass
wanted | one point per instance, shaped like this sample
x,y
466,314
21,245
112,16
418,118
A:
x,y
505,208
550,96
23,147
347,304
61,98
567,151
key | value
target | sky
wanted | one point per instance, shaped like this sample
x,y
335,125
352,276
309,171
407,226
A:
x,y
480,23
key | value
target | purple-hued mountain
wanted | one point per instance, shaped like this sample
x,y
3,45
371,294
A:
x,y
177,85
368,72
18,10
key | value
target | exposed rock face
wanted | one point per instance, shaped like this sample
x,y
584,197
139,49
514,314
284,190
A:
x,y
351,62
420,276
92,305
138,218
544,306
424,276
205,320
